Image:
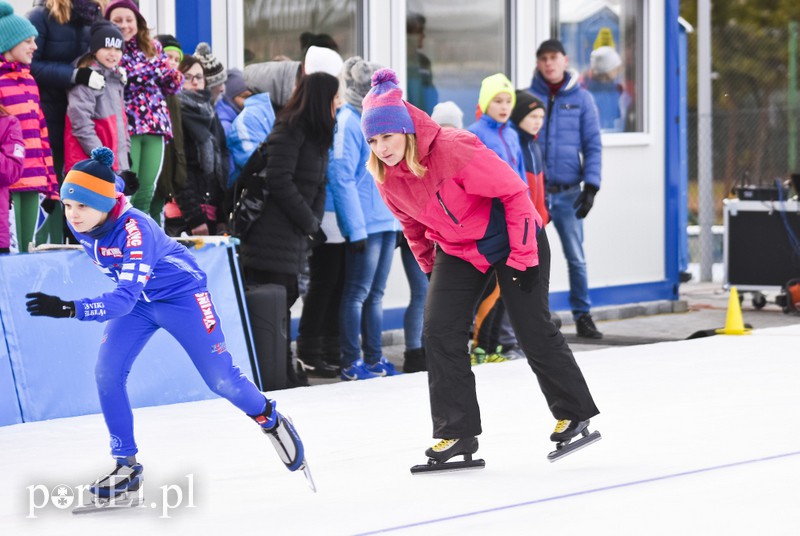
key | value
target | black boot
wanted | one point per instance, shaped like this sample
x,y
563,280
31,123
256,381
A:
x,y
447,448
332,350
567,429
295,378
586,328
414,360
310,358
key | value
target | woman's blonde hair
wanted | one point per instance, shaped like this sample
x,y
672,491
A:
x,y
61,10
376,168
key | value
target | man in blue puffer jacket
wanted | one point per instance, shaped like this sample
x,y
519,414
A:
x,y
572,152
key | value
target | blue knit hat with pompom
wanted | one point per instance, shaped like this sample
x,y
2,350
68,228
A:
x,y
385,110
92,182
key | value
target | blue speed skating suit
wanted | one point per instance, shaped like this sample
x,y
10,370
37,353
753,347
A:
x,y
159,285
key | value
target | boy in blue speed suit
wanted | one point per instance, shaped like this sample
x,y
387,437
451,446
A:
x,y
159,285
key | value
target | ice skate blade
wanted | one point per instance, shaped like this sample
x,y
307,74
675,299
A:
x,y
309,477
447,467
575,445
113,503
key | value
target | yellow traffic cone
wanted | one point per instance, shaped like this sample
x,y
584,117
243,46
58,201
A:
x,y
734,325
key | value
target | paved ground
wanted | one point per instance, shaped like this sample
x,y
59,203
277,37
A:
x,y
702,306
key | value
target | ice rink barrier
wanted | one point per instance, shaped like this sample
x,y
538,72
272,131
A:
x,y
47,364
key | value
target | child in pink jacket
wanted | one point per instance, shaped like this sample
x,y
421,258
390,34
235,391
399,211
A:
x,y
12,158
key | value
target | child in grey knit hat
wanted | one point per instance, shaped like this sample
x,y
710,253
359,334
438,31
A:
x,y
448,115
357,76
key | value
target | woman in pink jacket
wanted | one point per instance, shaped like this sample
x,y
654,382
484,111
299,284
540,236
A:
x,y
468,218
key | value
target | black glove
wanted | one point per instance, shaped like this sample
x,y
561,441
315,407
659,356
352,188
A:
x,y
46,305
585,201
49,204
88,77
317,239
359,246
526,280
131,182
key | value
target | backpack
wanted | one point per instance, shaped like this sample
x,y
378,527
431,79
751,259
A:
x,y
250,193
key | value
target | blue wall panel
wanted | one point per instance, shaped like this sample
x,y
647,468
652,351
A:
x,y
193,23
675,190
53,359
9,404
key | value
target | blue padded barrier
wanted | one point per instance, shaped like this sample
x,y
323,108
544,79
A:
x,y
9,404
53,359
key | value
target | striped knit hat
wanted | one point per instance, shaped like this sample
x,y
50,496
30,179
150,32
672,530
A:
x,y
13,28
92,182
385,110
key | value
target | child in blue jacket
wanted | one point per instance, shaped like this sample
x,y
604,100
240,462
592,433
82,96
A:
x,y
159,285
496,102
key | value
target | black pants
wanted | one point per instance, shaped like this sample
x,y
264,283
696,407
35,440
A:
x,y
319,323
455,288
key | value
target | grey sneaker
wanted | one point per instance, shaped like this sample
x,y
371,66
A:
x,y
513,352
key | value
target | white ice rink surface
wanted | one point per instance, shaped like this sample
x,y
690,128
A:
x,y
699,437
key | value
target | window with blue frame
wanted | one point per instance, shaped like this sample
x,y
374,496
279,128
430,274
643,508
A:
x,y
279,29
450,51
605,45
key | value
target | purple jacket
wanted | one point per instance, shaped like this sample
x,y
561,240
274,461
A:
x,y
12,158
149,80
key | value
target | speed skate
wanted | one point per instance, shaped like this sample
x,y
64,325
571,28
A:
x,y
565,433
290,448
439,454
124,500
120,489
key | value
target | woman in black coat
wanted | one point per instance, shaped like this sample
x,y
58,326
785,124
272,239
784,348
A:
x,y
277,244
198,207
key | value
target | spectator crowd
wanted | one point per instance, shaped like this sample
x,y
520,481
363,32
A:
x,y
194,141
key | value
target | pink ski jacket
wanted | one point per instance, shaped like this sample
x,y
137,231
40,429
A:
x,y
470,202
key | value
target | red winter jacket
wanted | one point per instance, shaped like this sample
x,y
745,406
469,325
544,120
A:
x,y
470,202
97,117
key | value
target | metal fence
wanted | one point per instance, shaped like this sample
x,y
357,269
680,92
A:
x,y
750,147
755,115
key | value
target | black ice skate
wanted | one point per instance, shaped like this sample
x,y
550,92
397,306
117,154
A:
x,y
121,488
285,440
439,454
564,434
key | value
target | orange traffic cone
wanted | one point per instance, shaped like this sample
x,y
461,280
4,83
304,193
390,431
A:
x,y
734,325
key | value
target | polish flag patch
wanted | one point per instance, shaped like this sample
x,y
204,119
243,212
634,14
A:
x,y
136,255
